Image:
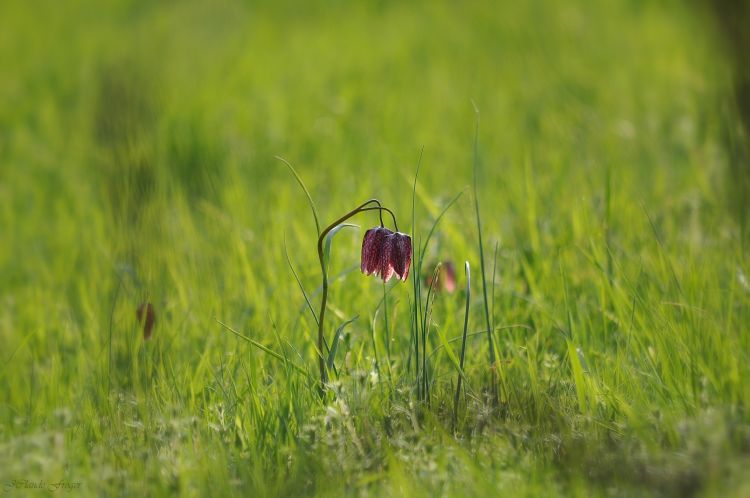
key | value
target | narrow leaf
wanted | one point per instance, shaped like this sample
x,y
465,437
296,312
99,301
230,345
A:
x,y
463,345
329,241
336,339
307,192
299,283
260,346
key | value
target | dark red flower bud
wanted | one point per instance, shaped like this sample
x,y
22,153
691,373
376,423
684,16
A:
x,y
385,253
446,278
146,315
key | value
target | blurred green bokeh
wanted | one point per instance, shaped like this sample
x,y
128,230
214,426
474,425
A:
x,y
137,163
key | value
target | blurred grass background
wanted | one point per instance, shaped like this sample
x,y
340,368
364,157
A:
x,y
137,144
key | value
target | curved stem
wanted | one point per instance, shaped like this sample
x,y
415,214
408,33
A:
x,y
381,209
321,316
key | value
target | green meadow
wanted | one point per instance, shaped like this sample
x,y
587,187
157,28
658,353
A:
x,y
159,152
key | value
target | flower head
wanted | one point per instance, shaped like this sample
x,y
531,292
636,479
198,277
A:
x,y
386,253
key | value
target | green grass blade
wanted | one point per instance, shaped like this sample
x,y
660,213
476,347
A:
x,y
299,283
490,345
307,192
336,340
417,303
263,348
434,226
463,345
329,240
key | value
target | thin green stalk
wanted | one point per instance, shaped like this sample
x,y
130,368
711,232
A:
x,y
492,294
417,264
111,324
432,230
387,328
299,283
425,328
463,345
491,347
375,350
479,332
304,188
261,347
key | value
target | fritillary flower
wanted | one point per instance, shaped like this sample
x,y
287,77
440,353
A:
x,y
386,253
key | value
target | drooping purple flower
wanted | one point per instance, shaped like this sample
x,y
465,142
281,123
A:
x,y
386,253
373,249
399,255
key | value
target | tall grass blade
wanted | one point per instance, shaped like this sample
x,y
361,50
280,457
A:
x,y
299,283
307,192
463,345
425,329
263,348
387,327
335,342
492,292
417,303
432,229
490,345
329,241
